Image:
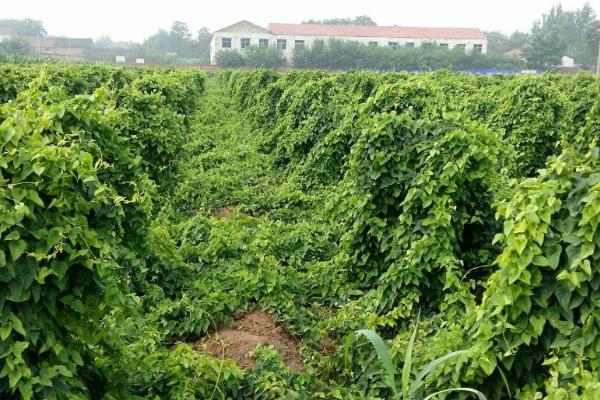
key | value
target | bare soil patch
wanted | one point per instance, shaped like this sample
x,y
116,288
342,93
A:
x,y
249,331
224,213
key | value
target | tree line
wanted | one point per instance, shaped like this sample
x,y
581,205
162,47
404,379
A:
x,y
557,33
348,55
176,45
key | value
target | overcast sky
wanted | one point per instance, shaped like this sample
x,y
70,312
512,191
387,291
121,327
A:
x,y
137,19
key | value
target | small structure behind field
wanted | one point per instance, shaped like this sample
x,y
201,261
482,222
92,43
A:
x,y
64,48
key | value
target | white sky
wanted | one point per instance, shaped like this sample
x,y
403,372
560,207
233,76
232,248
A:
x,y
137,19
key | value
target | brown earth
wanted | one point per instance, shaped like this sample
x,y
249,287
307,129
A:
x,y
224,213
249,331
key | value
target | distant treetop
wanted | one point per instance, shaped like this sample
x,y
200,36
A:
x,y
25,27
359,20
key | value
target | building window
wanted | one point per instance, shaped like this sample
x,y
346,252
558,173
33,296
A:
x,y
427,45
263,42
244,42
477,48
444,46
373,44
460,46
226,43
299,44
410,45
281,44
393,45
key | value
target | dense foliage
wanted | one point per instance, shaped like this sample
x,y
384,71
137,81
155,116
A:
x,y
358,20
79,184
533,115
413,169
345,55
253,56
456,215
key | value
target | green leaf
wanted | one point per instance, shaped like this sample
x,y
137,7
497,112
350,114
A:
x,y
44,272
509,224
26,391
14,235
563,296
5,330
17,324
17,248
488,366
540,261
477,393
38,168
64,371
347,344
13,378
503,376
520,242
537,323
19,347
384,356
35,198
407,367
429,368
553,255
550,361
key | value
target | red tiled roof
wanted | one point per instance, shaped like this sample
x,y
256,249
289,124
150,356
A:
x,y
375,31
7,31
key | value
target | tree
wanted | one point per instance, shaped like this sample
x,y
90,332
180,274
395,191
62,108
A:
x,y
263,57
181,31
256,57
105,42
517,40
497,42
545,49
179,42
359,20
161,40
14,46
230,58
203,45
344,55
592,43
25,27
163,47
364,20
584,18
577,31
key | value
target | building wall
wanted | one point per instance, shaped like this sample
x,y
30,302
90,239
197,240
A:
x,y
215,45
61,53
236,42
381,42
48,47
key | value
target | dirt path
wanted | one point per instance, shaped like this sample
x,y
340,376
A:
x,y
249,331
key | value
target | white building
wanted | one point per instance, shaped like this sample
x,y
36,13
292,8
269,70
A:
x,y
567,62
287,37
